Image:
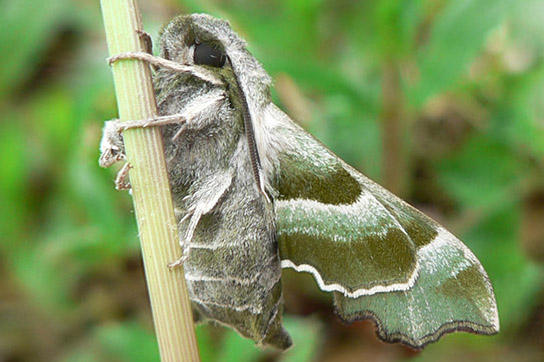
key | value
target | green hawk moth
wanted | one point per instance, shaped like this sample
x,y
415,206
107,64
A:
x,y
254,192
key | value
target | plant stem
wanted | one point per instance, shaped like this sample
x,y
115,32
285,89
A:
x,y
392,129
157,225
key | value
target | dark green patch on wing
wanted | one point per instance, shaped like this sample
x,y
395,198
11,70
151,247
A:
x,y
301,179
363,262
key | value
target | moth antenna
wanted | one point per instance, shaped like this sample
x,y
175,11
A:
x,y
252,143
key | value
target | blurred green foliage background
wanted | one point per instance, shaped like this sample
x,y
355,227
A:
x,y
442,101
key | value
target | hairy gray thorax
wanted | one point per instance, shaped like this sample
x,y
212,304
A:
x,y
206,146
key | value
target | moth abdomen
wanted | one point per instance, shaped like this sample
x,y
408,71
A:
x,y
233,271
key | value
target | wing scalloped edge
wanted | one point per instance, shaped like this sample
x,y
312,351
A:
x,y
453,293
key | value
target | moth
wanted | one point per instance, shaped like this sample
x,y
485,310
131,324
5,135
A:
x,y
254,193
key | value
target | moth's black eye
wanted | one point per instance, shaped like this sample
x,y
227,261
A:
x,y
206,54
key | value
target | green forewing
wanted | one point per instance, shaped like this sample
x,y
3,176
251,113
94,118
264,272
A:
x,y
383,259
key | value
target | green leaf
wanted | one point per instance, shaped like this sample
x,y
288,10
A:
x,y
43,278
307,338
515,280
238,349
206,344
516,120
14,164
128,342
459,33
26,28
481,173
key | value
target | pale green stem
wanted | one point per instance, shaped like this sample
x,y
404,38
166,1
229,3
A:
x,y
150,188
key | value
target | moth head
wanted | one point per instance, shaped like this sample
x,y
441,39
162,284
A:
x,y
210,47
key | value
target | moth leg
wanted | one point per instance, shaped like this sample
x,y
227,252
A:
x,y
147,40
112,147
185,240
159,62
148,44
151,122
206,198
122,181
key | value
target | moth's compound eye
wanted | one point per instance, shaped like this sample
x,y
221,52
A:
x,y
206,54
